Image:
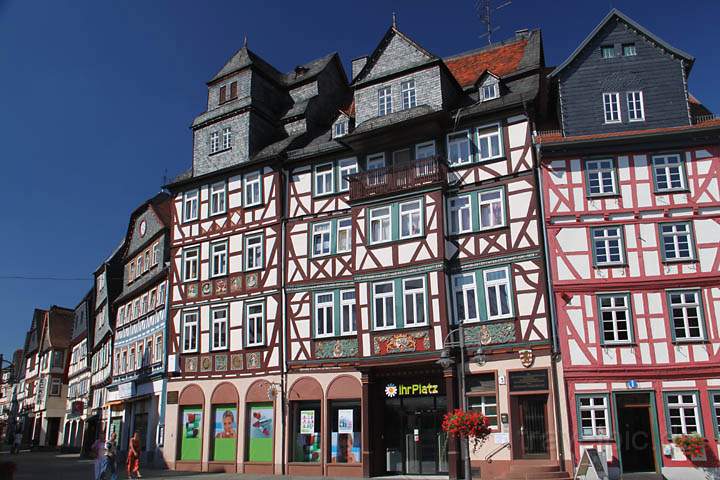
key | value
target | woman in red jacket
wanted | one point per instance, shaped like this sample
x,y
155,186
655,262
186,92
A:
x,y
133,458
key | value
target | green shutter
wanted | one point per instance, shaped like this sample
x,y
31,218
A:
x,y
395,221
475,211
399,302
336,312
480,286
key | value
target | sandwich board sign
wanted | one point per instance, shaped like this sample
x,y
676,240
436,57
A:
x,y
592,467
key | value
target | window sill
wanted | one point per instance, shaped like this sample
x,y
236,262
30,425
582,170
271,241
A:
x,y
596,439
215,277
217,214
679,261
454,166
323,195
671,191
254,269
253,205
258,346
618,344
222,150
611,265
599,196
690,341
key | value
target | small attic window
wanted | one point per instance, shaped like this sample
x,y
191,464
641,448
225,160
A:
x,y
489,91
341,128
607,51
629,50
300,71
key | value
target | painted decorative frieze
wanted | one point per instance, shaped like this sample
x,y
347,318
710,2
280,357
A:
x,y
490,334
403,342
339,348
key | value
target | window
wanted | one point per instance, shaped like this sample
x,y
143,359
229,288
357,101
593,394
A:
x,y
487,405
226,138
410,219
489,91
255,325
344,435
191,257
55,387
158,348
408,94
306,419
677,244
324,179
219,318
321,238
140,359
607,51
668,172
629,50
611,105
380,225
593,413
344,235
683,413
131,360
190,206
348,321
424,150
686,315
414,301
375,164
489,142
608,247
153,298
614,313
341,128
715,405
384,101
253,251
491,209
636,111
214,142
324,316
156,253
347,167
458,148
217,198
140,265
460,212
253,190
497,292
384,305
601,177
401,157
218,258
465,297
190,331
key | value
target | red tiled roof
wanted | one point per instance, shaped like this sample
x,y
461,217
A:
x,y
501,60
349,110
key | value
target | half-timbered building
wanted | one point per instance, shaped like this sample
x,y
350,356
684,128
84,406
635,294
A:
x,y
631,199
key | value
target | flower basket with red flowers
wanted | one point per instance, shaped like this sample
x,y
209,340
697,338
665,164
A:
x,y
467,424
693,446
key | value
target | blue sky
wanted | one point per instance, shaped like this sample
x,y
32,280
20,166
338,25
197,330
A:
x,y
97,98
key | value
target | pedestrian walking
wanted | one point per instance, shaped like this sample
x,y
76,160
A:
x,y
111,467
98,449
133,458
17,441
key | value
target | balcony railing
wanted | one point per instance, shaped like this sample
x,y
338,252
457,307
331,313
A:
x,y
402,176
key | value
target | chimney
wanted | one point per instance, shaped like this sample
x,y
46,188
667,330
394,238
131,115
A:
x,y
522,33
358,65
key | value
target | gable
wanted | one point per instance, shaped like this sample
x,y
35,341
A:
x,y
146,225
395,53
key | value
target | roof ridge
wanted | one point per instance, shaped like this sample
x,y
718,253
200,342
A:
x,y
492,46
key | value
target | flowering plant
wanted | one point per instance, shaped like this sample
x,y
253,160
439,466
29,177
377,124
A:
x,y
691,445
471,425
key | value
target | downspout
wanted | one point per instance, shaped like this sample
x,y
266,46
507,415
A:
x,y
555,348
283,309
160,441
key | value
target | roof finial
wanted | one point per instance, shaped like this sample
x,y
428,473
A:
x,y
394,20
245,41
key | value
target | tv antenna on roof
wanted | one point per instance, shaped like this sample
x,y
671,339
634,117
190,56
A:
x,y
485,10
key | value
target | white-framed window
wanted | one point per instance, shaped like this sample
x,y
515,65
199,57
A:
x,y
156,253
218,258
253,189
607,51
425,150
489,142
615,323
611,107
348,321
676,241
380,224
408,94
594,416
218,194
497,293
489,91
341,128
324,179
686,315
158,347
636,109
346,167
253,251
487,405
321,235
410,219
385,101
219,319
191,262
254,324
226,138
384,305
375,161
683,412
668,172
214,142
460,213
629,50
465,297
324,315
601,177
190,331
414,301
458,148
190,206
492,209
344,235
55,387
608,248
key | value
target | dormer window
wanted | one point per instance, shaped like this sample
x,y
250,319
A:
x,y
489,91
385,101
341,128
408,94
629,50
607,51
227,93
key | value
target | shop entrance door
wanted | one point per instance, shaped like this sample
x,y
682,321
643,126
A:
x,y
635,433
532,416
422,449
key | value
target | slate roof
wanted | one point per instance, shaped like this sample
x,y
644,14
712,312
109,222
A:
x,y
59,326
244,58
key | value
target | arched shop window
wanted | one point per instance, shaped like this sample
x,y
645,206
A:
x,y
345,420
259,424
224,433
190,435
306,420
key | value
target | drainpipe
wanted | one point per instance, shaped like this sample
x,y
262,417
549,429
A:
x,y
555,351
163,395
283,309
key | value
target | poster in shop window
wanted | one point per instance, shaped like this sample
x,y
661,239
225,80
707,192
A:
x,y
345,421
307,422
345,447
260,429
191,434
225,433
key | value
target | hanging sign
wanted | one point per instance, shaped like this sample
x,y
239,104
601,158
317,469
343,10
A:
x,y
403,390
307,422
